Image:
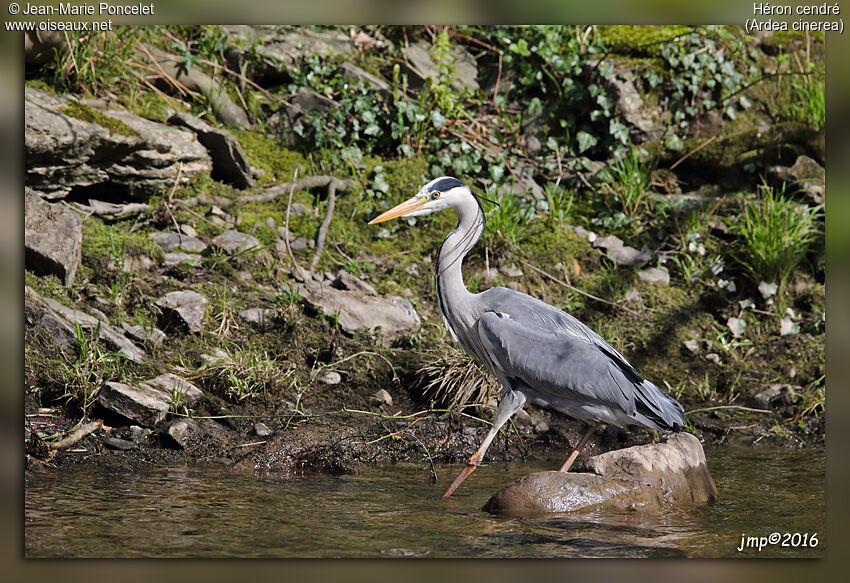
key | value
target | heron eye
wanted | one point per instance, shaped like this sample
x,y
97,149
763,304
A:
x,y
435,195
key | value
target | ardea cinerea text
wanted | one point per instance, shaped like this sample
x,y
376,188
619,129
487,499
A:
x,y
541,354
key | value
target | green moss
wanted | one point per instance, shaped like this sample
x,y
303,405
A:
x,y
263,152
639,40
83,112
103,243
48,286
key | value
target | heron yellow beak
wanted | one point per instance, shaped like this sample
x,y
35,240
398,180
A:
x,y
408,206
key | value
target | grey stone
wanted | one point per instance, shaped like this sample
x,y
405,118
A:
x,y
764,398
358,311
138,433
511,270
355,73
180,433
233,242
420,62
184,309
405,305
53,238
649,478
178,257
261,317
141,404
384,396
147,335
229,161
345,280
655,275
171,241
805,174
541,427
119,444
60,321
691,345
176,389
262,430
64,153
609,243
331,378
645,123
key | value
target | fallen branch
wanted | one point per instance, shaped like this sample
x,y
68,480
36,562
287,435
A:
x,y
694,151
303,184
76,435
323,230
575,289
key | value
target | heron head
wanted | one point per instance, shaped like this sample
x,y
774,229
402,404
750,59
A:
x,y
439,194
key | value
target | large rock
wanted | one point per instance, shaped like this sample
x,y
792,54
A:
x,y
649,478
229,161
233,242
148,403
171,241
282,48
60,322
358,311
53,238
621,254
184,309
421,64
70,146
806,175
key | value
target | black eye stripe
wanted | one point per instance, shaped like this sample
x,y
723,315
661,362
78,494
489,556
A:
x,y
445,184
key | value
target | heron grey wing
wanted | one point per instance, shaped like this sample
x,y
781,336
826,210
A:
x,y
536,314
557,366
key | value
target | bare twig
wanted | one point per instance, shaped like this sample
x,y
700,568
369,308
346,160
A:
x,y
303,184
694,151
575,289
323,229
76,435
286,225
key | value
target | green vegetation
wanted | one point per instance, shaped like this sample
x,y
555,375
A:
x,y
686,189
83,112
776,234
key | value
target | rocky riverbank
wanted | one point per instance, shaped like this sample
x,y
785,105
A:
x,y
200,277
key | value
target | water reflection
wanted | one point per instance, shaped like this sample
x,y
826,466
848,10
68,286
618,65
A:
x,y
396,512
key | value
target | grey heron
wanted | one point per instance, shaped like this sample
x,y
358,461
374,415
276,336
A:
x,y
541,354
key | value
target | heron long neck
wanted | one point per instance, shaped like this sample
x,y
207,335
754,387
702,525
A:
x,y
452,295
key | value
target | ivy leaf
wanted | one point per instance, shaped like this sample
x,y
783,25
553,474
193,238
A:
x,y
585,141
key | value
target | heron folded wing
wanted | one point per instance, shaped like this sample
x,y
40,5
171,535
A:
x,y
557,366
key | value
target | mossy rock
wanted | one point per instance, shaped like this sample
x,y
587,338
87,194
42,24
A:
x,y
639,41
83,112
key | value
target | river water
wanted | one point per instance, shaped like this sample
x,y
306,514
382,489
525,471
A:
x,y
188,511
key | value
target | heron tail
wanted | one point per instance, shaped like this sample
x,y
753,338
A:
x,y
657,410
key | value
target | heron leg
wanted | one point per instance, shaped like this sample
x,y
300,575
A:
x,y
510,404
578,448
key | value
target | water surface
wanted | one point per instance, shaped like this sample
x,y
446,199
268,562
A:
x,y
191,511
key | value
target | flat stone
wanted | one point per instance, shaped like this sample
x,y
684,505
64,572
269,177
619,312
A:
x,y
176,388
357,311
230,164
261,317
60,322
185,309
141,404
179,433
383,396
170,241
609,243
146,335
262,430
355,73
345,280
647,478
331,378
233,242
128,155
53,238
464,69
510,270
655,275
119,444
178,257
